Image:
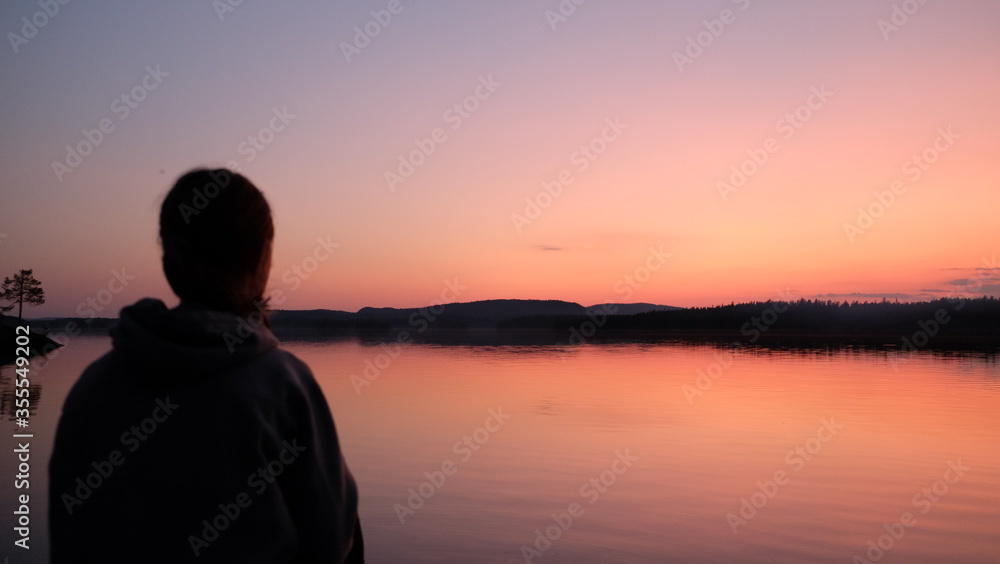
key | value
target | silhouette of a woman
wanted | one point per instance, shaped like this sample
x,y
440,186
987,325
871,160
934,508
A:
x,y
196,438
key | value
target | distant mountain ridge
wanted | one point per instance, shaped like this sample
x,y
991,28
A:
x,y
485,309
478,314
629,309
942,323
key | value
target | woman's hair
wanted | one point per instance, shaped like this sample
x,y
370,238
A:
x,y
216,233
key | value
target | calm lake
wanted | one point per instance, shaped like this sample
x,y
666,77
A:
x,y
634,452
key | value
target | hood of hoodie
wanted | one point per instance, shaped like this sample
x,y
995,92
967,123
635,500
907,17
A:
x,y
187,342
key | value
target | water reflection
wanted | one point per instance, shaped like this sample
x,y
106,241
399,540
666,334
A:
x,y
574,407
8,403
749,447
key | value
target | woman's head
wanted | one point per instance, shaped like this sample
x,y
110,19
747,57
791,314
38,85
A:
x,y
216,232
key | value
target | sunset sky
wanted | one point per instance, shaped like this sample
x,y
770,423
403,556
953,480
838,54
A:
x,y
647,110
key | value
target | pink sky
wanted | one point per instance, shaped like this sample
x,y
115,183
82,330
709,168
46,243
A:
x,y
842,107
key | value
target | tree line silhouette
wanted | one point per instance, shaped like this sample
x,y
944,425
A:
x,y
942,322
961,318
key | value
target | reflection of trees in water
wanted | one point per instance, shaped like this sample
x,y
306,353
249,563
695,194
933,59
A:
x,y
7,397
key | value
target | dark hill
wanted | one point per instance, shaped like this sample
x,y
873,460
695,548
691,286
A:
x,y
629,309
464,315
484,309
479,314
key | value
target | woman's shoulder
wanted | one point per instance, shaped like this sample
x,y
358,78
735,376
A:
x,y
276,376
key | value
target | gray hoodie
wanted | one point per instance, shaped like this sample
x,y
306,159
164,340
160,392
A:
x,y
197,439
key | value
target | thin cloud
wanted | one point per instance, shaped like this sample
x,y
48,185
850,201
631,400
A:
x,y
974,290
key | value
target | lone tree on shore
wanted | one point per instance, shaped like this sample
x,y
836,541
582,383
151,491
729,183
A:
x,y
22,288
